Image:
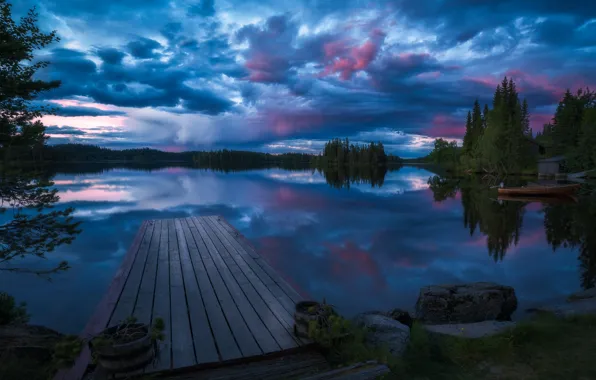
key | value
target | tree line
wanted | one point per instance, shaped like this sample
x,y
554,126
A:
x,y
497,139
341,153
572,131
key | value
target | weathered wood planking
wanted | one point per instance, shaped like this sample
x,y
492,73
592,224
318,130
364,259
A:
x,y
222,304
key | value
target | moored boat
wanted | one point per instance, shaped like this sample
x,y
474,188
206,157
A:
x,y
544,190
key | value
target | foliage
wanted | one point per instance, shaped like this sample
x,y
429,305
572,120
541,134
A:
x,y
70,347
19,124
343,342
10,312
573,131
66,351
33,230
445,153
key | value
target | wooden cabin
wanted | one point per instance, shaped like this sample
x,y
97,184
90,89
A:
x,y
550,167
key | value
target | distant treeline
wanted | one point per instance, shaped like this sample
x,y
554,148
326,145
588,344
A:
x,y
237,159
92,153
338,152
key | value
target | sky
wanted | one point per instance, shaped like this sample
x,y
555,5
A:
x,y
280,75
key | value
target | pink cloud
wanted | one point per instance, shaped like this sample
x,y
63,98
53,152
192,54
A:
x,y
446,126
537,120
83,122
429,75
78,103
346,61
487,80
266,68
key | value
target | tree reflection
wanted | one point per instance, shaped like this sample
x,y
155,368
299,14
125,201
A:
x,y
566,224
572,225
30,227
344,177
500,222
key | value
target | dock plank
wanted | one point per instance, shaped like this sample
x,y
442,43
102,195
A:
x,y
224,339
251,251
245,305
183,354
128,298
203,341
269,310
246,341
161,303
144,306
269,284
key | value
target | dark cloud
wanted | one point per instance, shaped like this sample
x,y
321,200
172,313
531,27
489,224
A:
x,y
111,55
144,48
64,130
314,69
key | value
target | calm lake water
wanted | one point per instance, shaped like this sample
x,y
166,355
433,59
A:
x,y
361,248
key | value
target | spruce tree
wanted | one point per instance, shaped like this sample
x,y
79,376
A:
x,y
467,143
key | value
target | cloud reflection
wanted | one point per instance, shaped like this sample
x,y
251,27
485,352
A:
x,y
363,248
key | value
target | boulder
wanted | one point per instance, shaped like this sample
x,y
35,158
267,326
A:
x,y
471,330
400,315
384,331
467,303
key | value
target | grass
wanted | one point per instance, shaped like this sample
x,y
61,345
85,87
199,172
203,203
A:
x,y
543,348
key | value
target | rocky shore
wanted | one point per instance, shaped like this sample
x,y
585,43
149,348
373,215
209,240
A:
x,y
471,310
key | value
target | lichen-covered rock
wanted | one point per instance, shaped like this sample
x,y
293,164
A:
x,y
384,331
467,303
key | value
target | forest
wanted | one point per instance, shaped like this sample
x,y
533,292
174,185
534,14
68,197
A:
x,y
500,140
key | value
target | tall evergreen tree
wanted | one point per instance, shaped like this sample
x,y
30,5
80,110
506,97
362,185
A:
x,y
468,136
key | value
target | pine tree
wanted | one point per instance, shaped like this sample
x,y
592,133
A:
x,y
19,124
484,116
476,123
468,138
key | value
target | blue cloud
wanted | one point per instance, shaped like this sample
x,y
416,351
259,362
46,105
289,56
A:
x,y
144,48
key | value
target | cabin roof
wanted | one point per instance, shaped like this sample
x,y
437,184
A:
x,y
552,159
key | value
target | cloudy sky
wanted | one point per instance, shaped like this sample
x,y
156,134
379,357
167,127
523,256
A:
x,y
280,75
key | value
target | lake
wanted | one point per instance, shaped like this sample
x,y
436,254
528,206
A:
x,y
364,247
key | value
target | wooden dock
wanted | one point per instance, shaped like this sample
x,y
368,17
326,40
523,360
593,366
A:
x,y
221,302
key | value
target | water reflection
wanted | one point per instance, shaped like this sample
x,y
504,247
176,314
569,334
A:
x,y
567,221
371,247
